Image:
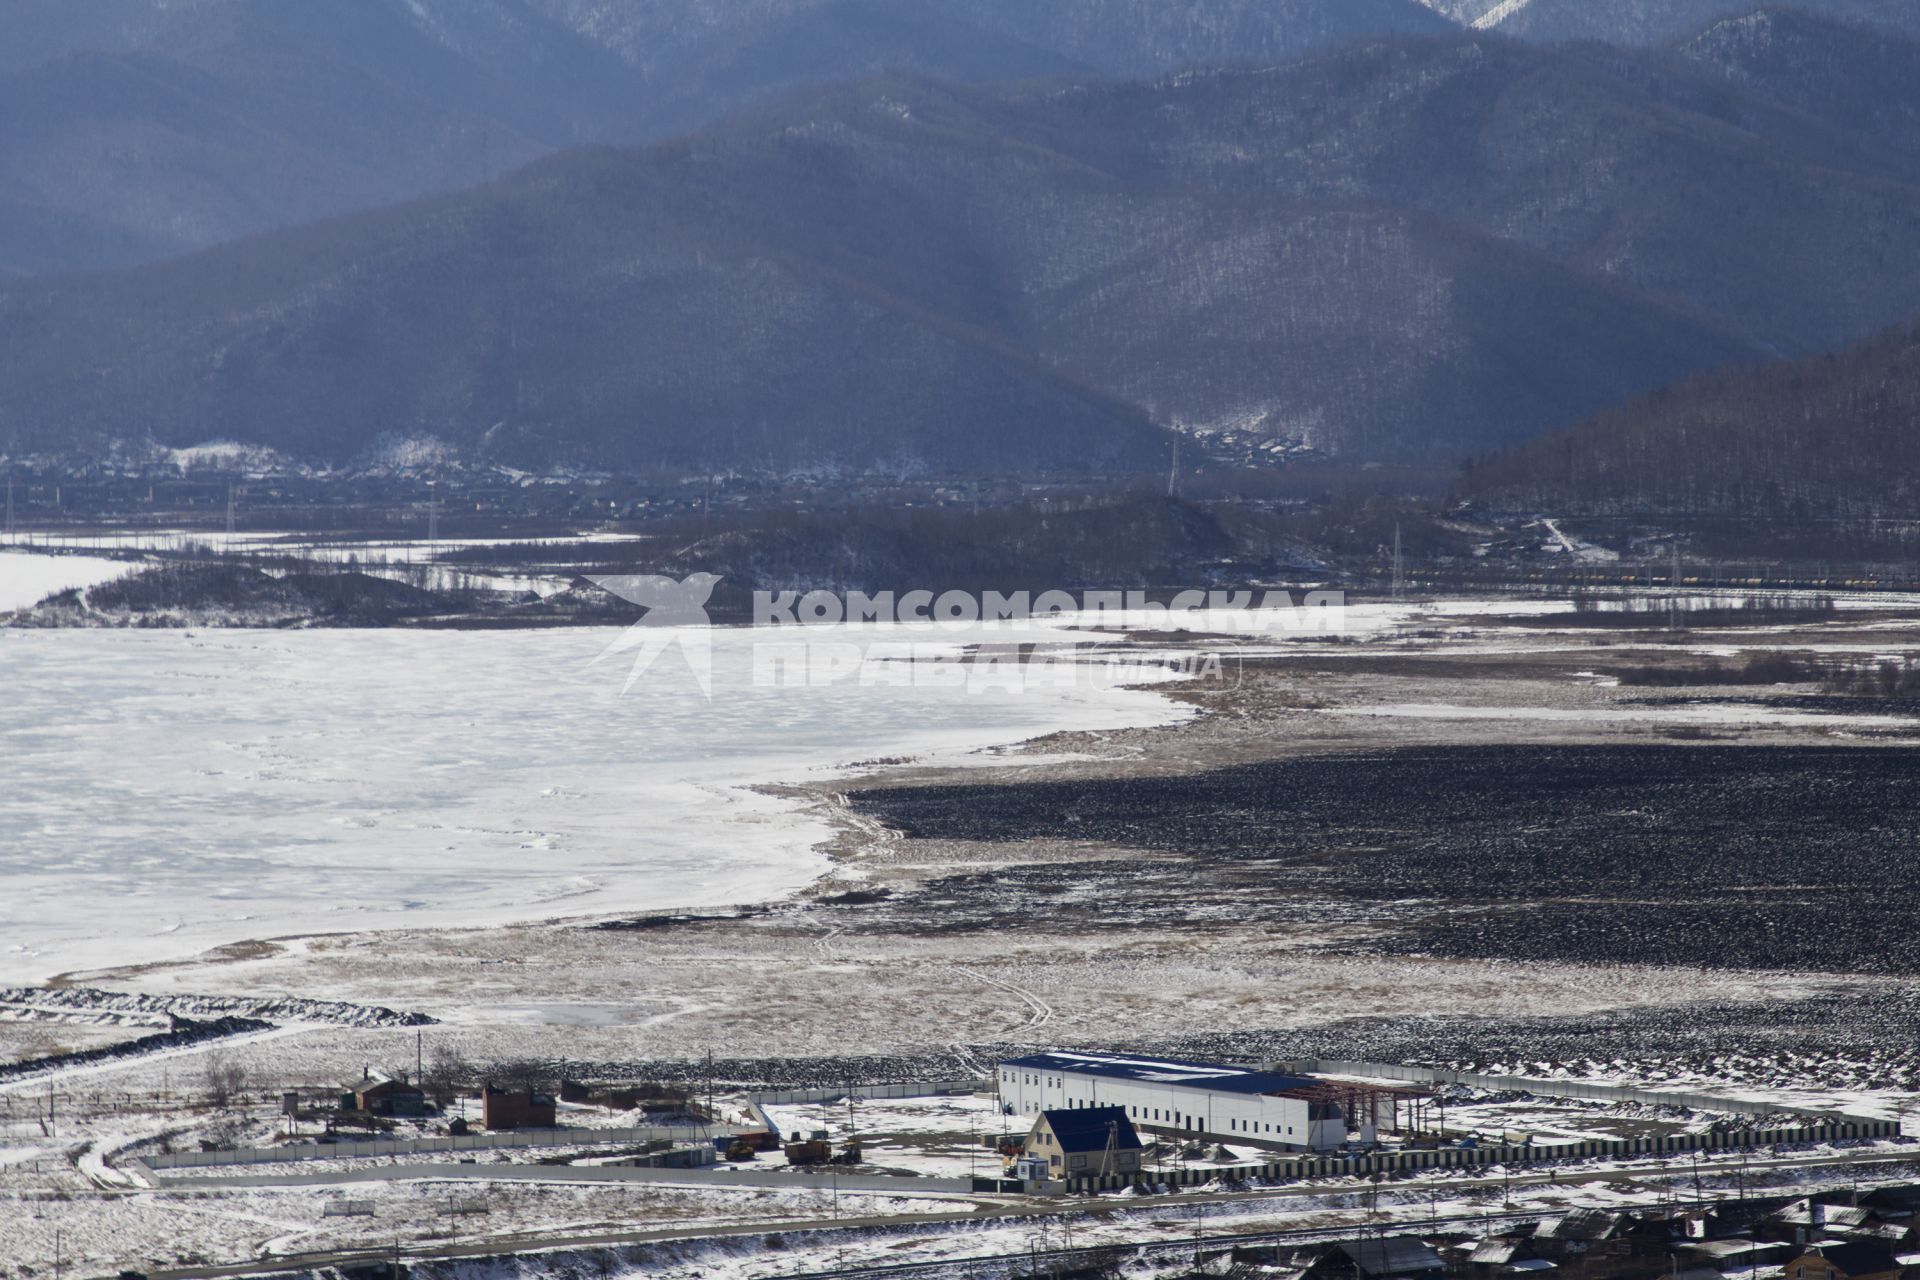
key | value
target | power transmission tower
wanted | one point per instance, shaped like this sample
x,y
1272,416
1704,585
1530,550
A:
x,y
229,512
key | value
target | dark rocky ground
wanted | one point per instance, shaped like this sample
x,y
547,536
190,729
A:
x,y
1752,858
1839,1041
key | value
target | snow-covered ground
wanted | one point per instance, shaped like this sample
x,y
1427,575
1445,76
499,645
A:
x,y
932,1137
27,578
171,791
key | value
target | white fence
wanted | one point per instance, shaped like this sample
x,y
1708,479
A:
x,y
718,1178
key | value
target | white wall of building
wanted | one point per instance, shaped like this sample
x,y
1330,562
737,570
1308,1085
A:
x,y
1173,1108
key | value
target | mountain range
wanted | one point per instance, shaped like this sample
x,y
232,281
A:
x,y
1385,246
138,130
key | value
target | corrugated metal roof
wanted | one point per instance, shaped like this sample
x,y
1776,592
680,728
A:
x,y
1164,1071
1495,1253
1738,1248
1577,1224
1392,1256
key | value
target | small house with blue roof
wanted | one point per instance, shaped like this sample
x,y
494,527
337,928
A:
x,y
1085,1142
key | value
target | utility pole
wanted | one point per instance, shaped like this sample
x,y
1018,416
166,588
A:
x,y
1673,583
433,513
419,1050
229,511
1399,575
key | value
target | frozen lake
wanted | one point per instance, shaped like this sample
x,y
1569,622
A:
x,y
163,792
27,578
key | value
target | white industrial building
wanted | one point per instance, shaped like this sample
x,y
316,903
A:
x,y
1200,1100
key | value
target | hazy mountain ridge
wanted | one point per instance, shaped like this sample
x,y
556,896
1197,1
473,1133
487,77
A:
x,y
1401,247
1656,22
1853,77
139,130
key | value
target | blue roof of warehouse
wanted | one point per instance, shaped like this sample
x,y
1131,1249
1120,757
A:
x,y
1168,1071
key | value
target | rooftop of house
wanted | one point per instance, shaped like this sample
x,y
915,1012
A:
x,y
1738,1248
1580,1224
1497,1252
1392,1256
1083,1129
374,1080
1802,1212
1856,1257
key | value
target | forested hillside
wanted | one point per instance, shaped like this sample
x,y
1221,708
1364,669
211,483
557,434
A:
x,y
1831,437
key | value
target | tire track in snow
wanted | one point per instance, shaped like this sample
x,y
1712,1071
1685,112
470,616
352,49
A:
x,y
1038,1010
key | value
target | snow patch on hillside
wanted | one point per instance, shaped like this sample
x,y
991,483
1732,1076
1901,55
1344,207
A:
x,y
1479,14
226,455
1499,14
413,452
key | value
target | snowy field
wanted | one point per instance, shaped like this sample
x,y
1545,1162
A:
x,y
172,791
930,1137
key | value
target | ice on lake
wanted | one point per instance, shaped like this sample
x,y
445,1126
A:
x,y
27,578
163,792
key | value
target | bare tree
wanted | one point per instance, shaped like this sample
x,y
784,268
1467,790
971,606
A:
x,y
225,1080
447,1076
